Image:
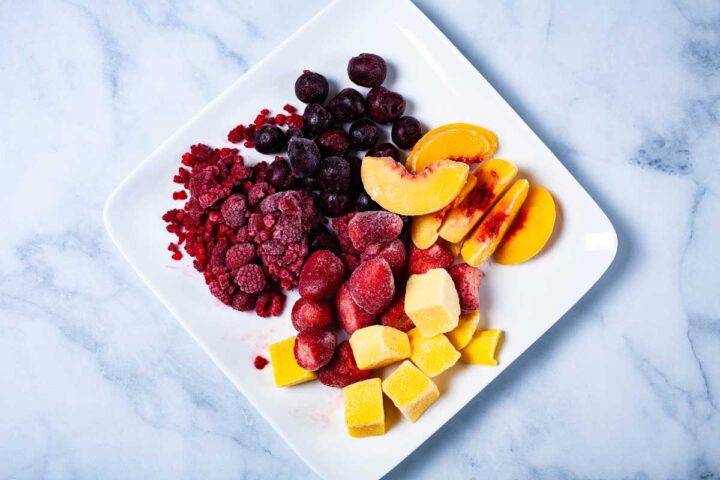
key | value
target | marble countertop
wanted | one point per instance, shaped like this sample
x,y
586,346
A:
x,y
97,380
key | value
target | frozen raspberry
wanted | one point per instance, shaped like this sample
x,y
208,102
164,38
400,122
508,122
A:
x,y
289,229
394,253
395,315
368,228
222,294
313,349
350,316
239,255
234,211
340,224
270,303
420,261
250,278
259,191
467,283
217,258
321,276
260,362
243,301
342,370
372,285
205,188
308,314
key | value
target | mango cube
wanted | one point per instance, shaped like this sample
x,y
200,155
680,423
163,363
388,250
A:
x,y
432,302
482,349
410,390
286,370
433,355
462,334
364,413
377,345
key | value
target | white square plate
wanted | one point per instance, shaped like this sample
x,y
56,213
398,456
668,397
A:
x,y
441,86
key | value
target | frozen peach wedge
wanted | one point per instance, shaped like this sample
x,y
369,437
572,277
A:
x,y
530,231
467,325
424,228
483,241
456,141
493,178
483,347
399,191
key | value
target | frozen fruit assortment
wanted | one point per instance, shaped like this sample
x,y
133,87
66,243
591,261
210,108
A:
x,y
393,271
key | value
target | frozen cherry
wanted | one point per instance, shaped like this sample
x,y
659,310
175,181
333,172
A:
x,y
316,119
384,106
309,314
335,204
321,238
304,156
333,142
363,202
294,132
278,174
355,179
269,139
347,105
311,183
313,349
385,150
334,174
406,132
367,70
311,87
364,134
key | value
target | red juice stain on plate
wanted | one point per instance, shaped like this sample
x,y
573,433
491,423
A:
x,y
260,362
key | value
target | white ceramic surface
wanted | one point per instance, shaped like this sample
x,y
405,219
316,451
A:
x,y
441,87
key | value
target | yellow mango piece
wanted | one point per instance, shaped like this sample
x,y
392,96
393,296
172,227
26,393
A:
x,y
364,412
433,355
483,241
410,390
456,141
286,371
399,191
432,302
482,349
493,178
424,228
530,231
377,345
462,334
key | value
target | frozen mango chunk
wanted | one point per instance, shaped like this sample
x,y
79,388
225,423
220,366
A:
x,y
410,390
286,370
482,349
432,302
377,345
462,334
364,412
433,355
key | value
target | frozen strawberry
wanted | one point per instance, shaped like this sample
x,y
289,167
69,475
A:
x,y
351,261
372,285
395,315
321,276
313,349
394,253
368,228
340,225
420,261
309,314
342,370
467,283
350,316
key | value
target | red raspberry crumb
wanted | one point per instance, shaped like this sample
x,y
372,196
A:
x,y
180,195
395,315
394,253
342,370
250,278
280,119
243,302
313,349
237,134
307,71
372,285
420,261
294,120
309,314
177,255
321,276
264,111
368,228
239,255
249,144
467,283
260,362
350,316
260,119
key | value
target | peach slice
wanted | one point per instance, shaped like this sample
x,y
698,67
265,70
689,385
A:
x,y
483,241
530,231
493,177
424,229
456,141
399,191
